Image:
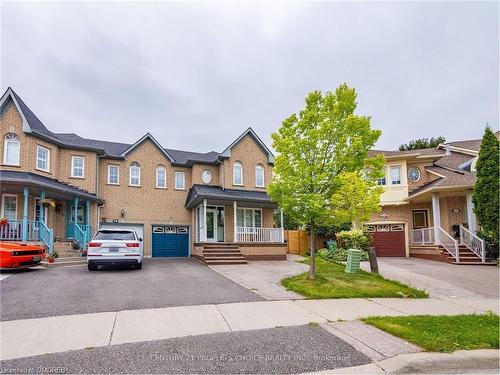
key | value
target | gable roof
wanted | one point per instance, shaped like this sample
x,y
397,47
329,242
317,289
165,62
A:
x,y
108,149
227,152
141,140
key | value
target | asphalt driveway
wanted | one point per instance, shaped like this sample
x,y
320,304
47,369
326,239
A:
x,y
442,279
75,290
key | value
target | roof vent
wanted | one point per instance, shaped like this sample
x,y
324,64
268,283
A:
x,y
448,150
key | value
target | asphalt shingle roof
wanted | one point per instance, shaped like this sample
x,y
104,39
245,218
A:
x,y
27,178
197,193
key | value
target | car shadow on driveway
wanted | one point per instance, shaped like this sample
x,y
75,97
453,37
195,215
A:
x,y
75,290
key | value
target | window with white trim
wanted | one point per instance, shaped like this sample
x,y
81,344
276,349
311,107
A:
x,y
396,175
77,166
9,206
382,181
237,173
259,175
180,180
161,177
249,217
135,174
11,149
113,174
42,158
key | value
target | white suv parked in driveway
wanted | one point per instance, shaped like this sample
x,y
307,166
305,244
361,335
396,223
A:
x,y
112,246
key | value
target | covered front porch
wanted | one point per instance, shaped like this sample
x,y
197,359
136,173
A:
x,y
446,218
35,208
238,220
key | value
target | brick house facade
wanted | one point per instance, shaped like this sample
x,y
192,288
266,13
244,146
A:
x,y
96,183
426,206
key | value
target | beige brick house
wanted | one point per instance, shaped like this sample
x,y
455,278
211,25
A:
x,y
62,187
427,209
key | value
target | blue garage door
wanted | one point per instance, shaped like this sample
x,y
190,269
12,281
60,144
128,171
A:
x,y
170,241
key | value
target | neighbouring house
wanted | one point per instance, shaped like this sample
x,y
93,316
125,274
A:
x,y
426,208
210,205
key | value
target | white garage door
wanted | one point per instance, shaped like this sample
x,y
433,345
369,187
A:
x,y
139,228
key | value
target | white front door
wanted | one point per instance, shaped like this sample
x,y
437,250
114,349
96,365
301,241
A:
x,y
211,220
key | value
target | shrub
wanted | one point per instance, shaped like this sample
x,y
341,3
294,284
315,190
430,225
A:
x,y
353,239
338,255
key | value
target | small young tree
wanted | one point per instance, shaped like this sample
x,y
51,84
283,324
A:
x,y
422,143
320,150
486,191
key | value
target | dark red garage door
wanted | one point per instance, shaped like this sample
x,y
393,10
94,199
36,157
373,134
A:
x,y
388,239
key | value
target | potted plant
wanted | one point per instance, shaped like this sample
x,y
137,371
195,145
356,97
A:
x,y
3,221
50,258
46,202
55,254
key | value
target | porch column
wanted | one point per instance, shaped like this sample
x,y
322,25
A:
x,y
75,213
235,222
24,233
205,220
282,227
436,216
87,212
471,218
41,208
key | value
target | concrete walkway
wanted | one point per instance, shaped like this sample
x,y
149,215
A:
x,y
28,337
264,276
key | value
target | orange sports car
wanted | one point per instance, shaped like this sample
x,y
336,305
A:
x,y
20,255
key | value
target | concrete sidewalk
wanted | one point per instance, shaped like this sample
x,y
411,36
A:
x,y
28,337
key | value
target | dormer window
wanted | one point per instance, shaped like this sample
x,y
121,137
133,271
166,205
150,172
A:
x,y
237,173
11,149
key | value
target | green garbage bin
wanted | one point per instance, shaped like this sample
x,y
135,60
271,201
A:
x,y
353,260
331,244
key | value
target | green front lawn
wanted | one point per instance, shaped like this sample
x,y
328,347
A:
x,y
443,333
332,282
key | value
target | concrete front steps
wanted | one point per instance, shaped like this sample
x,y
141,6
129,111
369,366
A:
x,y
68,256
214,254
440,254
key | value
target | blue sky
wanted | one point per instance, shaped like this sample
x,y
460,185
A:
x,y
196,75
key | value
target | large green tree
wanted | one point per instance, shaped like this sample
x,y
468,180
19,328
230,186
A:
x,y
486,191
422,143
322,154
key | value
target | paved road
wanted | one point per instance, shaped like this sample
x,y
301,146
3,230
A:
x,y
442,279
75,290
275,350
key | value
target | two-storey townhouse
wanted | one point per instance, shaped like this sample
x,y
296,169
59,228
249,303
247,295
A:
x,y
426,206
210,205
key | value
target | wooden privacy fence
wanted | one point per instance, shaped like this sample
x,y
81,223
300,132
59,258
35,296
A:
x,y
298,241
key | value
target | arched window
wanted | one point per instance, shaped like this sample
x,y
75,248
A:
x,y
259,175
161,177
237,173
135,174
11,149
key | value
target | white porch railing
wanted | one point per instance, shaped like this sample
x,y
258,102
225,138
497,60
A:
x,y
251,234
473,242
422,236
449,243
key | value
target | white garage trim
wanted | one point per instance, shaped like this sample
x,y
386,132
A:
x,y
407,232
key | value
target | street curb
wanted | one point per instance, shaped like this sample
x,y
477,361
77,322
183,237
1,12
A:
x,y
459,362
456,362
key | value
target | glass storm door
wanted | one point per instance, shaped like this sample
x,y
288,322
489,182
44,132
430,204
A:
x,y
211,225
